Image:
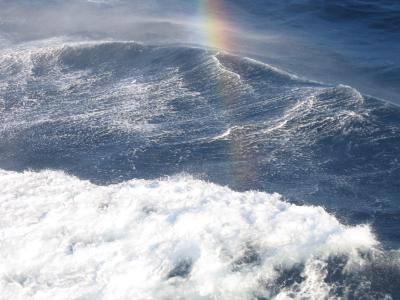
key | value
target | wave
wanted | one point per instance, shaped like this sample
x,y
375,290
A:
x,y
122,115
178,238
114,111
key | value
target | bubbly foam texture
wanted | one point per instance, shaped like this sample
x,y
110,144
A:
x,y
175,238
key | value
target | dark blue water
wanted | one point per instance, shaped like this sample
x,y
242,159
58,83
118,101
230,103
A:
x,y
113,111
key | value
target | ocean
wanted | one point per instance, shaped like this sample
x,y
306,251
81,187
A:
x,y
209,149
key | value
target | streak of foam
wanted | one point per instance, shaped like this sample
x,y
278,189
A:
x,y
355,94
126,105
272,68
315,111
175,238
227,133
221,66
237,84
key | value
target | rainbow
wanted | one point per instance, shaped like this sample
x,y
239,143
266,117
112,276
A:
x,y
216,32
214,24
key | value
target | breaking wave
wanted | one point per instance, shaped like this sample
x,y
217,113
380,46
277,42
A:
x,y
175,238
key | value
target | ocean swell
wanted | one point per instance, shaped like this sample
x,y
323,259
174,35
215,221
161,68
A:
x,y
115,111
112,118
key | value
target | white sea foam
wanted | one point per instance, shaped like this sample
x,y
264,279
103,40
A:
x,y
176,238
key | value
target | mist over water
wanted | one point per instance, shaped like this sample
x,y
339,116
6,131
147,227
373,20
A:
x,y
351,42
199,149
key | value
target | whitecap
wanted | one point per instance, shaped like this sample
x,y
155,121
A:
x,y
175,238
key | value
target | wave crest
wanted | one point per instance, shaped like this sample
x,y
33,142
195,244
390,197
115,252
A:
x,y
177,237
